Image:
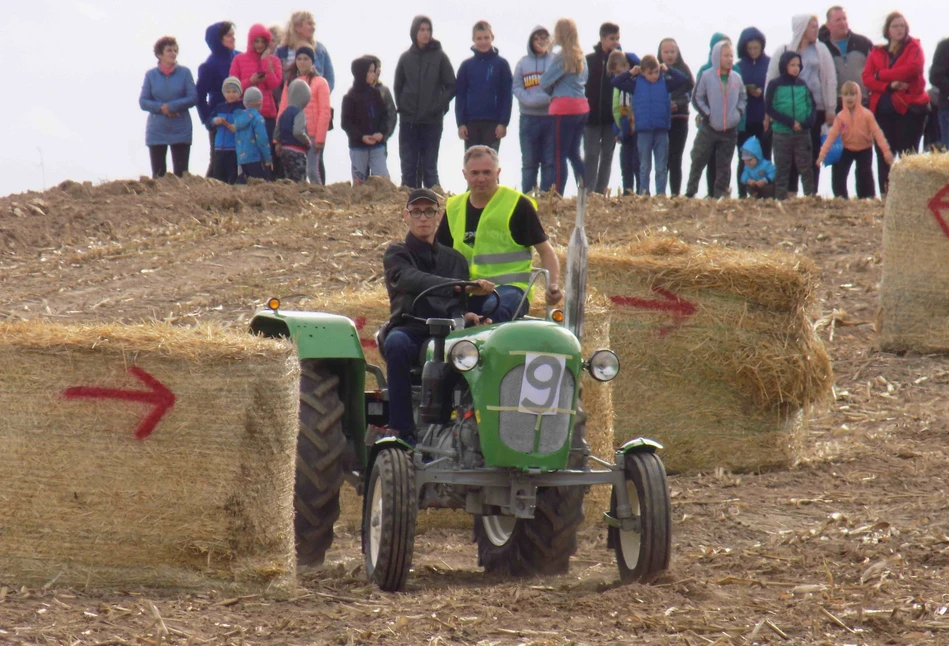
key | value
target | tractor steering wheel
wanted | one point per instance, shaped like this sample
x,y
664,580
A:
x,y
463,284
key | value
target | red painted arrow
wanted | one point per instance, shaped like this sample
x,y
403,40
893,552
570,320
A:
x,y
936,204
159,396
680,308
360,322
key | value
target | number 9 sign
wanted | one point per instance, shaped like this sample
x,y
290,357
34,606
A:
x,y
540,387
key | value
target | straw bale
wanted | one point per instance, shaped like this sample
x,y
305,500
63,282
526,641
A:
x,y
718,356
914,292
204,501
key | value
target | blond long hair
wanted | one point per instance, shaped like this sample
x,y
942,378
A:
x,y
565,35
290,38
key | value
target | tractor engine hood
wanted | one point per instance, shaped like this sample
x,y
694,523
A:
x,y
525,391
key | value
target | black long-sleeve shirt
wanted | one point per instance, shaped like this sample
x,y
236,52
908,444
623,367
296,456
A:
x,y
412,267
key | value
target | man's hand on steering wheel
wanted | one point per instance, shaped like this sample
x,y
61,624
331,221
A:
x,y
472,319
483,287
554,294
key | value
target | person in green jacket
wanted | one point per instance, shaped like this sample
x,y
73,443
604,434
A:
x,y
791,106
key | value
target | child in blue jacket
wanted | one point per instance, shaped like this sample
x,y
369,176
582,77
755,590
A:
x,y
484,92
650,84
758,174
253,144
224,166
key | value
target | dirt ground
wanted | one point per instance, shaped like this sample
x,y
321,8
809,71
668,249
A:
x,y
851,546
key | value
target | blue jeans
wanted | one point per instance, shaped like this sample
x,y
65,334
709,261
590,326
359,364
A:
x,y
653,143
537,150
402,348
569,134
507,310
944,126
368,161
629,163
418,148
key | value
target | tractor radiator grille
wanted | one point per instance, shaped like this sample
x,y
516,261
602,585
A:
x,y
517,430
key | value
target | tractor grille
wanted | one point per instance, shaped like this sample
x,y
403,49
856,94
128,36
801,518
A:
x,y
517,430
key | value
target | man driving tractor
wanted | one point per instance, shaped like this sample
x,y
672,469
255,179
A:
x,y
494,227
412,266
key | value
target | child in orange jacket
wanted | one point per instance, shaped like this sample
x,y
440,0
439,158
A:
x,y
858,129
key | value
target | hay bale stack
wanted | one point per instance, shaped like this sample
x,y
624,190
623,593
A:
x,y
204,500
914,292
718,356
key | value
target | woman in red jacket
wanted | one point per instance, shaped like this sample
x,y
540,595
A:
x,y
257,68
894,77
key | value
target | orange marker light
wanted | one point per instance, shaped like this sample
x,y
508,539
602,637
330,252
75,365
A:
x,y
557,316
274,304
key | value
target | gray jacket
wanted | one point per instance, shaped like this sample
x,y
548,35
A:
x,y
721,104
531,98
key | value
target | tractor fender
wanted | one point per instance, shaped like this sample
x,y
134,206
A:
x,y
640,445
384,443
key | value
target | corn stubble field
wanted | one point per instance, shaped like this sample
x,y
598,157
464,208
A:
x,y
849,546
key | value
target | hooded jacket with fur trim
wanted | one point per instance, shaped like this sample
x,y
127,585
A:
x,y
246,65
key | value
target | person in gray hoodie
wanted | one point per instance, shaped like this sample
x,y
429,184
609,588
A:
x,y
291,134
424,87
720,99
536,125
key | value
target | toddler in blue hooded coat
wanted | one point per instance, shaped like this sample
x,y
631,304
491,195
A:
x,y
758,174
253,144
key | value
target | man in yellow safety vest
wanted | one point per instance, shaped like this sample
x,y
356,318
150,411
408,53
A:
x,y
495,227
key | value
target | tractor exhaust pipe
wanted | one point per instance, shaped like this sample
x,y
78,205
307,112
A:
x,y
575,289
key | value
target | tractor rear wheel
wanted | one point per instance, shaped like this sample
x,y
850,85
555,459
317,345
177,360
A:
x,y
541,545
388,522
320,446
643,554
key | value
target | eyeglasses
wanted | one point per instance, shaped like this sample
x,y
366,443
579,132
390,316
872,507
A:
x,y
428,213
541,37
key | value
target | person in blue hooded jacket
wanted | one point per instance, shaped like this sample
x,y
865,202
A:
x,y
483,92
753,68
212,72
758,174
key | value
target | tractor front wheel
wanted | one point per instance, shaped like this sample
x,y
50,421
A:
x,y
320,447
541,545
643,554
388,522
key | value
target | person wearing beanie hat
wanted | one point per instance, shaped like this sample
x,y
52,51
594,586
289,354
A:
x,y
291,134
364,120
221,121
253,145
317,111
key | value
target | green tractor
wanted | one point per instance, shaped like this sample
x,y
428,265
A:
x,y
501,434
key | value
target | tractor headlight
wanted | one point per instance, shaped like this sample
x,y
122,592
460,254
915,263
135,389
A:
x,y
464,355
603,365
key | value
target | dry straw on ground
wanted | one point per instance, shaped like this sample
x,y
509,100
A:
x,y
718,355
914,292
204,501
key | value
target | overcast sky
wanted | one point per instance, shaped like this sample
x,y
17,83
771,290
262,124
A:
x,y
70,108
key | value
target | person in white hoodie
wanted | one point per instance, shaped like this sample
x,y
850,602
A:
x,y
819,74
536,125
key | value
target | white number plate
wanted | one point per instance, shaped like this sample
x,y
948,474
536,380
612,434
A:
x,y
540,387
